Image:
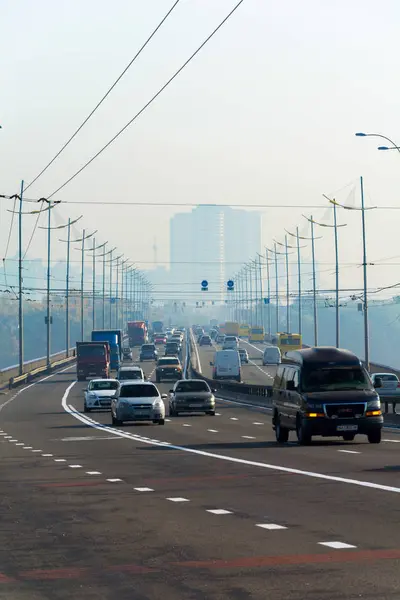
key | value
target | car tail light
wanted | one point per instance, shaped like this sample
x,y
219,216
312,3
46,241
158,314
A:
x,y
398,384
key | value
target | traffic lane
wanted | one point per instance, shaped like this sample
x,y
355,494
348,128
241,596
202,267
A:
x,y
328,462
115,458
41,404
93,542
252,373
294,494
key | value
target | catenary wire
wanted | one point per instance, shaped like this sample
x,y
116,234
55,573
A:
x,y
149,102
105,95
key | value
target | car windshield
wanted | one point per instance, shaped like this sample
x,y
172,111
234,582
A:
x,y
168,361
192,386
148,347
95,350
335,379
138,391
134,374
103,385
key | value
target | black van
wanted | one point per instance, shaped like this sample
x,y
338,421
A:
x,y
325,391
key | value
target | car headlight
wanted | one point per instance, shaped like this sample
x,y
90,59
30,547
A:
x,y
374,405
157,404
92,396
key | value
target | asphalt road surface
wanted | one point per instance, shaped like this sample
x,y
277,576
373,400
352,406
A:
x,y
203,507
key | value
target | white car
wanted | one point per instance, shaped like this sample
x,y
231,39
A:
x,y
99,393
131,373
138,401
230,343
272,356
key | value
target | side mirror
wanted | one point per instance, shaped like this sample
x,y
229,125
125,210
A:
x,y
214,390
171,391
290,386
85,390
378,382
164,396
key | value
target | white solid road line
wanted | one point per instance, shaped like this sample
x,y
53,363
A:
x,y
233,459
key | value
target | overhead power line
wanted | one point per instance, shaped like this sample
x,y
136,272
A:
x,y
110,89
170,80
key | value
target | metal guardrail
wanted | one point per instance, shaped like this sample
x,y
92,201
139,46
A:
x,y
10,380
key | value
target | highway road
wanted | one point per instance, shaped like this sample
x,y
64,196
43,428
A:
x,y
201,508
254,372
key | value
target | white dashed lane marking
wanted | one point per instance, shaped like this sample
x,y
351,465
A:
x,y
270,526
143,489
256,423
116,480
337,545
47,455
178,499
234,419
186,425
93,473
60,460
248,437
75,466
212,430
219,511
349,451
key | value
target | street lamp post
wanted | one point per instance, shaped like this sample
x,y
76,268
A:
x,y
394,146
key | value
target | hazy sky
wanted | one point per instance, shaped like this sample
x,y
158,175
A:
x,y
266,114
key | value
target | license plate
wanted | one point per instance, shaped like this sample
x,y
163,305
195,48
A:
x,y
194,405
347,428
141,413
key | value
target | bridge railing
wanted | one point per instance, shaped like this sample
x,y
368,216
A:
x,y
9,377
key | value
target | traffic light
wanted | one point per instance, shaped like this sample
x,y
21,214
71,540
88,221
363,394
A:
x,y
230,285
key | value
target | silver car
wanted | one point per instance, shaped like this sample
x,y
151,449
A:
x,y
138,401
191,395
99,393
389,392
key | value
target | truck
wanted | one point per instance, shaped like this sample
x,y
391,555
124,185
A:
x,y
92,360
137,333
232,328
157,326
114,338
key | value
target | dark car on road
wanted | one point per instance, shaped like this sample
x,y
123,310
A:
x,y
148,352
191,395
168,367
205,340
172,349
325,391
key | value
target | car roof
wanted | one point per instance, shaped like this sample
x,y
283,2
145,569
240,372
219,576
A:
x,y
131,368
323,354
136,382
98,379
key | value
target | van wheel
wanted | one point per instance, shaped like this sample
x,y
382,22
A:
x,y
281,433
375,437
349,437
303,437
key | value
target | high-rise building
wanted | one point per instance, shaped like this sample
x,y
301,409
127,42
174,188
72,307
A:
x,y
211,242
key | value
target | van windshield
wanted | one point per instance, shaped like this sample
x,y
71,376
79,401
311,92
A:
x,y
335,379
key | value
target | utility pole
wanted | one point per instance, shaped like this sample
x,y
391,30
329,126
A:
x,y
20,282
366,324
67,291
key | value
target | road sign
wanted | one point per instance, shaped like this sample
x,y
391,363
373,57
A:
x,y
230,285
204,285
266,300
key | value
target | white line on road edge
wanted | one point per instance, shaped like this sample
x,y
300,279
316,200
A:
x,y
90,422
196,351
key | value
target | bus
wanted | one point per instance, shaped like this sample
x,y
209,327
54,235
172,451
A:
x,y
232,328
256,334
243,330
287,342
